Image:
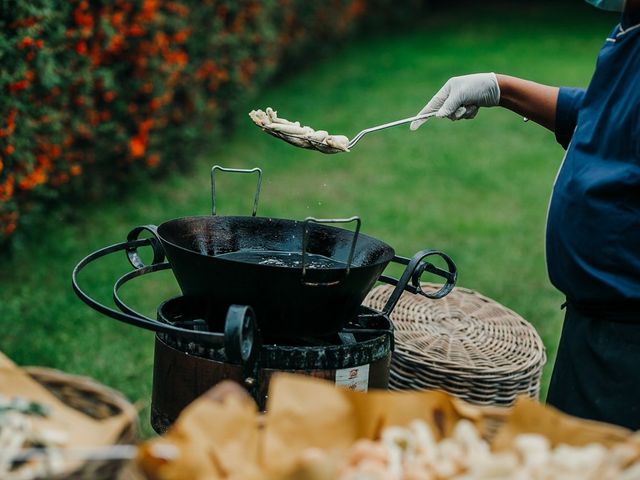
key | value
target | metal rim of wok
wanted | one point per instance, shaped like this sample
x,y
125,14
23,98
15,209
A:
x,y
370,243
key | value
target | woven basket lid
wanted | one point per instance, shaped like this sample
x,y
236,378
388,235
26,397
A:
x,y
465,343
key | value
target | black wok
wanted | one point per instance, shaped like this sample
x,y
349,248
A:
x,y
293,299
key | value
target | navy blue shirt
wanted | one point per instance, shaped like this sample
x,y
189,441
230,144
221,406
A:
x,y
593,226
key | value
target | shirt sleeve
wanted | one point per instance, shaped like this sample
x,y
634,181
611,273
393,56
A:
x,y
569,103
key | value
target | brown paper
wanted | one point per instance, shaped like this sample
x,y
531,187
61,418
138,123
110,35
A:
x,y
216,436
80,429
303,413
310,426
528,416
306,416
5,362
378,409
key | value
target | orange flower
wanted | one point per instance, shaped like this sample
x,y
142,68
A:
x,y
11,119
148,10
109,96
37,177
11,124
153,160
26,184
177,58
55,151
96,53
94,117
18,86
116,43
207,68
136,30
155,104
75,170
43,160
222,75
9,149
175,7
25,42
25,22
160,40
39,43
83,19
81,48
137,147
10,228
6,189
1,165
84,131
117,19
181,36
145,126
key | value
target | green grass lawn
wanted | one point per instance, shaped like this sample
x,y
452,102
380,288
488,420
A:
x,y
475,189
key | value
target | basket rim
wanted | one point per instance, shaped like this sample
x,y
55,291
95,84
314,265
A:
x,y
465,339
85,383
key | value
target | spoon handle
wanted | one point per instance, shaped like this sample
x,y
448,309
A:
x,y
357,138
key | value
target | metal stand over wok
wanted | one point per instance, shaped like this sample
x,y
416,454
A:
x,y
321,300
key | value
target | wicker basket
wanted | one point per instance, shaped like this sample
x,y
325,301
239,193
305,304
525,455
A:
x,y
465,344
97,401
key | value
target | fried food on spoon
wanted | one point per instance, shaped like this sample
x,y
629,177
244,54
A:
x,y
300,136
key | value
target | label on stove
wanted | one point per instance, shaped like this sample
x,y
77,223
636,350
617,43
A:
x,y
354,378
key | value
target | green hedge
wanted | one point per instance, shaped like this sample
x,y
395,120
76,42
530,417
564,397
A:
x,y
94,92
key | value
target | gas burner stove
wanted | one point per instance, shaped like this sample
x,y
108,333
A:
x,y
356,357
367,325
264,295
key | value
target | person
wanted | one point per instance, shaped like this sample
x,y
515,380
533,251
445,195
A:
x,y
593,224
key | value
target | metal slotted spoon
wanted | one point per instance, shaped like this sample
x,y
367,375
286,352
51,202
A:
x,y
301,141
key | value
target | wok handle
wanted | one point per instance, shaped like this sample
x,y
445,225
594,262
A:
x,y
410,279
235,170
132,251
305,244
136,319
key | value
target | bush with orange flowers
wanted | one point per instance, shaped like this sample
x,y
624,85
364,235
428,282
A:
x,y
95,91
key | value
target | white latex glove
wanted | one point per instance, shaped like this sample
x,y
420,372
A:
x,y
461,97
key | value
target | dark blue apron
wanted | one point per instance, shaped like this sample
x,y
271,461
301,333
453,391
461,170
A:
x,y
597,370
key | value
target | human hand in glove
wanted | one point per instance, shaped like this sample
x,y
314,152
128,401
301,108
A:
x,y
461,97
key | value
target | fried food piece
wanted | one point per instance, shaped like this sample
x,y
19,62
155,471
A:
x,y
300,136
